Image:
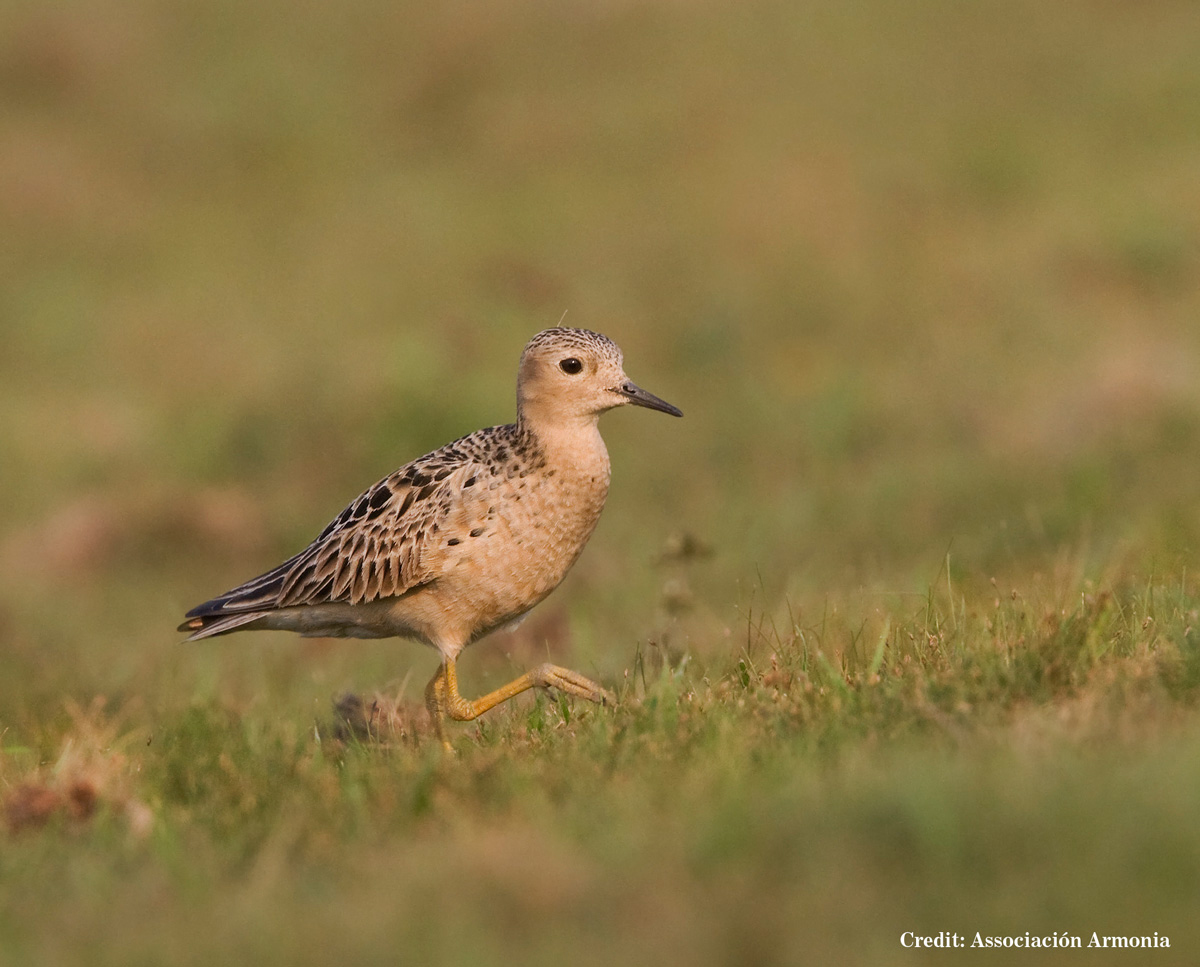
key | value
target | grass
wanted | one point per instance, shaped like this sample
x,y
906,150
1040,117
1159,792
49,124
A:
x,y
1002,766
901,616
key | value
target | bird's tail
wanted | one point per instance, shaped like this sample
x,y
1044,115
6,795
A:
x,y
210,625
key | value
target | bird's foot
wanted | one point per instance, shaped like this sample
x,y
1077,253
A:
x,y
571,682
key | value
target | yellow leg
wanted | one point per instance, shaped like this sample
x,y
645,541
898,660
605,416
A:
x,y
442,697
436,703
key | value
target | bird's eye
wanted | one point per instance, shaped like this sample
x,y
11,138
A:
x,y
571,366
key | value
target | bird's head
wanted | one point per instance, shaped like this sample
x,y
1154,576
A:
x,y
573,375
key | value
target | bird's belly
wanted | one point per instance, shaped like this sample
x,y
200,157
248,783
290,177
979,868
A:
x,y
522,552
498,581
339,619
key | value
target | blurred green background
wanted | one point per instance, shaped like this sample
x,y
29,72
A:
x,y
924,277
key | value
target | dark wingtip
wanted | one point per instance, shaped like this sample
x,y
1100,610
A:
x,y
202,610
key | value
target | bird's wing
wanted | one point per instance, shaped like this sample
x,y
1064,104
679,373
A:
x,y
378,547
373,549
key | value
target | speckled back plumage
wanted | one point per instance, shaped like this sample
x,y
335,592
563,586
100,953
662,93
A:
x,y
379,546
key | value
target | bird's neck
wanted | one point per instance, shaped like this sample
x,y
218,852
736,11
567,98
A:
x,y
573,444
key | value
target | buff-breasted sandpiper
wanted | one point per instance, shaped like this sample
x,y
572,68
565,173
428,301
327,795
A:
x,y
465,539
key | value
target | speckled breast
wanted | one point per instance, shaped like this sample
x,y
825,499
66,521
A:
x,y
533,524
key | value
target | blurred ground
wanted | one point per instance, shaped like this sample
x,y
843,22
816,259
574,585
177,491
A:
x,y
925,279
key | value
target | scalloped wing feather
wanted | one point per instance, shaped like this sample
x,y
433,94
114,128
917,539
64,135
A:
x,y
377,547
376,555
